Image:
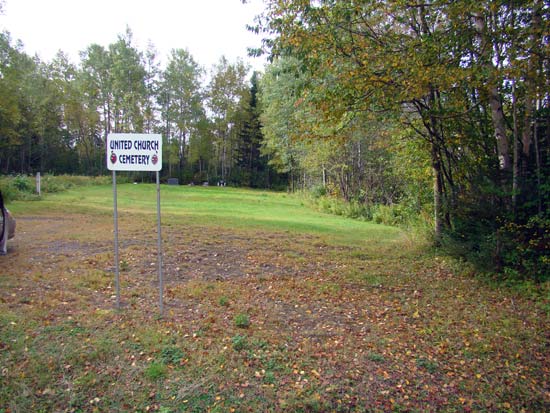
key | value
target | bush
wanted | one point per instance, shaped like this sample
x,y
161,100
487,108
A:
x,y
331,205
393,215
9,193
22,187
405,214
357,210
22,183
526,248
19,187
318,191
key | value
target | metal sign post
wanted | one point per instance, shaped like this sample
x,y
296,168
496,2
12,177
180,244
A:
x,y
117,269
159,245
135,152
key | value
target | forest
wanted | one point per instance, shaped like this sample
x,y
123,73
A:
x,y
425,113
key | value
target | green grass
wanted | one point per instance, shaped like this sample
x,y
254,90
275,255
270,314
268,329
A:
x,y
242,320
229,207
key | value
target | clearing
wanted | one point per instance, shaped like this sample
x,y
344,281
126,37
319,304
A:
x,y
269,307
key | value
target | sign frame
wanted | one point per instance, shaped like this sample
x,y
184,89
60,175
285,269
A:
x,y
135,152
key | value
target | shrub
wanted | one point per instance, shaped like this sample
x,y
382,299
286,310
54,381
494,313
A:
x,y
22,183
526,248
318,191
9,193
21,187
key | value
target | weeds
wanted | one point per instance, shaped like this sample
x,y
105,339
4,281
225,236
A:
x,y
242,320
156,371
172,355
239,342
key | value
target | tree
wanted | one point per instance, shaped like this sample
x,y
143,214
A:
x,y
94,120
227,88
455,73
252,166
281,87
128,85
151,89
181,100
10,113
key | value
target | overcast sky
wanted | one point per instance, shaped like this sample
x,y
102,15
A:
x,y
207,28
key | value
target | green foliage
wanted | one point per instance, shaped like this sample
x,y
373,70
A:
x,y
156,371
351,209
398,215
23,187
395,215
429,365
376,357
526,249
242,320
22,183
172,355
239,342
432,74
19,187
318,191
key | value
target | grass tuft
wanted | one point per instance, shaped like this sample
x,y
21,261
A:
x,y
242,320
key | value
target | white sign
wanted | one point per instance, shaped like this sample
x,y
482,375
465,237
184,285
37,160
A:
x,y
134,152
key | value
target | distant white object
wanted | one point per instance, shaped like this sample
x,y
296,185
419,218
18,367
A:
x,y
38,182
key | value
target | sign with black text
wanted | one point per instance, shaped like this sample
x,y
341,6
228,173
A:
x,y
134,152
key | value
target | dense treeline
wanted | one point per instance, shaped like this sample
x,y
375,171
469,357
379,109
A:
x,y
420,103
55,116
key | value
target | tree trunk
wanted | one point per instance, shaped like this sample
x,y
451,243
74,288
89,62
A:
x,y
438,195
499,125
493,96
530,82
515,165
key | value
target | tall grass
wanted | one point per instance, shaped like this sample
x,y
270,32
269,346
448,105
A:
x,y
396,215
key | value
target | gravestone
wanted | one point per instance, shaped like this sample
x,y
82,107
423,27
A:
x,y
173,181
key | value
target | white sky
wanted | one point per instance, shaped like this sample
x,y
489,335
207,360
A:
x,y
207,28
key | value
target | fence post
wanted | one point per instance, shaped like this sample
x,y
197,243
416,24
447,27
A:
x,y
38,183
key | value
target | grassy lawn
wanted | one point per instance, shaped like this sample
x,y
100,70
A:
x,y
269,307
228,207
